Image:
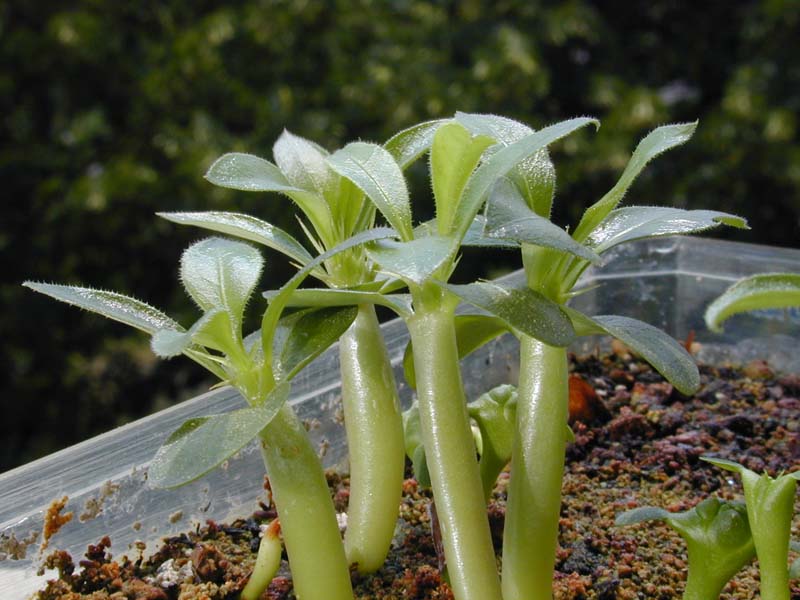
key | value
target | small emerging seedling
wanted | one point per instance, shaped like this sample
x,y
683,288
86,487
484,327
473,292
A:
x,y
268,561
718,541
757,292
770,504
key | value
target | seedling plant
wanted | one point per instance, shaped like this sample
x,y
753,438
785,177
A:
x,y
493,184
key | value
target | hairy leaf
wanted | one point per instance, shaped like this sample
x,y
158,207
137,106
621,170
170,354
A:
x,y
415,261
521,308
320,297
375,172
638,222
112,305
304,164
666,355
201,444
767,291
408,145
243,226
654,143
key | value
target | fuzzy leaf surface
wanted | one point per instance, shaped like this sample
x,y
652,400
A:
x,y
454,155
112,305
303,164
243,226
654,143
321,297
521,308
638,222
201,444
213,330
373,169
414,261
221,273
409,144
666,355
508,217
534,176
767,291
504,160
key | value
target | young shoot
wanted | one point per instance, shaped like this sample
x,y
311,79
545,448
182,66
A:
x,y
268,561
517,214
220,276
718,542
770,504
333,210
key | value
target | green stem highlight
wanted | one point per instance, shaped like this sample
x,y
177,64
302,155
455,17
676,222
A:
x,y
537,465
305,509
450,449
375,441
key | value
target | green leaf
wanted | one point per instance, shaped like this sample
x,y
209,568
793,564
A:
x,y
476,236
535,176
408,145
279,301
220,273
245,227
304,335
371,168
454,155
213,330
503,161
472,332
657,141
766,291
201,444
495,414
304,164
112,305
253,174
666,355
415,450
508,217
641,514
638,222
521,308
321,297
415,261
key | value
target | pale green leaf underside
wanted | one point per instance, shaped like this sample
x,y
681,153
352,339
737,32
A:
x,y
201,444
221,273
726,464
477,237
308,334
250,173
472,332
243,226
303,164
454,155
320,297
535,176
112,305
503,161
638,222
758,292
509,217
666,355
523,309
213,330
414,261
373,169
654,143
408,145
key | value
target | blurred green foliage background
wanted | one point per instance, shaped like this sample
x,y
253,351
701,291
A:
x,y
111,111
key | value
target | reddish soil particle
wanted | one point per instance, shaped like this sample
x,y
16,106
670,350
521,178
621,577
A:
x,y
54,520
645,452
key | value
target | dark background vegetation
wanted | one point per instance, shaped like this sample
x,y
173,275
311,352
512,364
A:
x,y
111,111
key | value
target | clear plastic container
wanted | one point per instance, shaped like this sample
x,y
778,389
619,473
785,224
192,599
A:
x,y
667,282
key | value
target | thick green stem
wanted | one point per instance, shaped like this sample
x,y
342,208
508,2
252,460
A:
x,y
305,509
450,450
375,441
537,464
702,585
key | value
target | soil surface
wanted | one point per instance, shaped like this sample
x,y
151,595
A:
x,y
637,443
